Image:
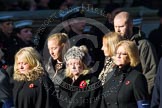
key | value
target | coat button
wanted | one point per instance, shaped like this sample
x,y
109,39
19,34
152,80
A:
x,y
116,103
108,103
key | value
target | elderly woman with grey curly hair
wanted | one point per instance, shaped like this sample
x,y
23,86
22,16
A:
x,y
80,87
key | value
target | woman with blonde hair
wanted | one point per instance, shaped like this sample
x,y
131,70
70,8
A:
x,y
32,88
57,44
127,87
109,42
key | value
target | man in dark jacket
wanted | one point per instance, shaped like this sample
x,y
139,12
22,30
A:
x,y
123,24
157,91
5,87
155,36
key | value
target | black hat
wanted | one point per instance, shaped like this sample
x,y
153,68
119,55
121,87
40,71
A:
x,y
23,24
74,13
6,18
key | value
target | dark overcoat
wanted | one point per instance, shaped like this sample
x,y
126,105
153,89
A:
x,y
35,94
73,96
125,89
55,76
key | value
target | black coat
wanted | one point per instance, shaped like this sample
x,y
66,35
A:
x,y
5,86
56,77
40,95
124,89
72,96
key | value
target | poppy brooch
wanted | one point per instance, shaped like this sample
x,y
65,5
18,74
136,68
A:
x,y
84,84
31,85
4,67
127,82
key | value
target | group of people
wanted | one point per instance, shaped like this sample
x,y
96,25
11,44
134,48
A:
x,y
32,5
14,35
68,79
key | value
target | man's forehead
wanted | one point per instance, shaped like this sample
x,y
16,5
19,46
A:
x,y
122,15
119,21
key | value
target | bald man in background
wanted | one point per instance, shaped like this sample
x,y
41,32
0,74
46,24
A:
x,y
123,24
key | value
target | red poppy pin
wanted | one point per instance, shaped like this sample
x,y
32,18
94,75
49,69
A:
x,y
84,84
127,82
4,67
31,85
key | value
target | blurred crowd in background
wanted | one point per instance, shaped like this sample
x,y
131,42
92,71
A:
x,y
18,5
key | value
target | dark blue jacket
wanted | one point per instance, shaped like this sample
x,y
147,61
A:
x,y
157,91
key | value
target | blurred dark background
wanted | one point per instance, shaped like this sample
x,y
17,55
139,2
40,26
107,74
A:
x,y
41,10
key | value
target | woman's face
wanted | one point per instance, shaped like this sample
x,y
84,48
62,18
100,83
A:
x,y
55,49
22,65
7,27
121,57
25,34
75,66
105,48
